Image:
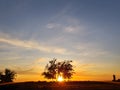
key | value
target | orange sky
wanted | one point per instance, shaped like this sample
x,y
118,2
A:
x,y
33,32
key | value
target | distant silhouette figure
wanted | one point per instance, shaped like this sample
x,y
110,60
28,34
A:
x,y
114,78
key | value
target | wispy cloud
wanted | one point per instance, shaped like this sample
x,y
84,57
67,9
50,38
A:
x,y
52,25
68,29
68,25
71,29
78,49
35,67
90,50
33,45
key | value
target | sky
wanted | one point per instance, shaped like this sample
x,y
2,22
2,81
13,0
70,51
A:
x,y
33,32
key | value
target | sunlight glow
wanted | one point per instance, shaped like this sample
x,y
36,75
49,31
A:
x,y
60,79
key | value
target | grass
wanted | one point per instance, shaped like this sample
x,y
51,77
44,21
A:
x,y
75,85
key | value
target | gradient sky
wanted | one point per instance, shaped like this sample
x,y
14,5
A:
x,y
32,32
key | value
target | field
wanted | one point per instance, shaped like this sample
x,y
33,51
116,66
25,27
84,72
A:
x,y
76,85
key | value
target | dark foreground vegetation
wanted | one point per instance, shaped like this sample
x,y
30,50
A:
x,y
7,76
81,85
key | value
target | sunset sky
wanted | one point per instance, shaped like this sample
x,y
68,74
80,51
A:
x,y
33,32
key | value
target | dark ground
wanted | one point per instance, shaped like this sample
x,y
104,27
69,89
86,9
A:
x,y
81,85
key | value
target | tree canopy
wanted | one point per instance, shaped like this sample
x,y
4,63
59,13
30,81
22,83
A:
x,y
55,69
7,76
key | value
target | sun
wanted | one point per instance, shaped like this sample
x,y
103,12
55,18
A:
x,y
60,79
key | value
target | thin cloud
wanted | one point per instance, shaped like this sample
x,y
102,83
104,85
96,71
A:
x,y
68,25
82,50
33,68
71,29
34,45
52,25
90,50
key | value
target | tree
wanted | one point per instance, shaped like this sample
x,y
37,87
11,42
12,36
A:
x,y
55,69
7,76
66,69
50,70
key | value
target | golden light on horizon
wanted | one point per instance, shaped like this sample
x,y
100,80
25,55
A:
x,y
60,79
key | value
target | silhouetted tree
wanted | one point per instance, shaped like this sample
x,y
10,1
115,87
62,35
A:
x,y
67,69
7,76
55,69
50,70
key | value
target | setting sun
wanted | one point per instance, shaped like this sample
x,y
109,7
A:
x,y
60,79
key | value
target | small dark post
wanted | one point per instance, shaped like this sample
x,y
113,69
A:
x,y
114,78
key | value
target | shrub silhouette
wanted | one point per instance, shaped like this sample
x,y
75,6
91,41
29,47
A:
x,y
7,76
55,69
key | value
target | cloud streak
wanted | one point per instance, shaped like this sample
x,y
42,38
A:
x,y
33,45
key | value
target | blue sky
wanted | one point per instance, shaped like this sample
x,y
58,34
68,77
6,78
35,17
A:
x,y
32,32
